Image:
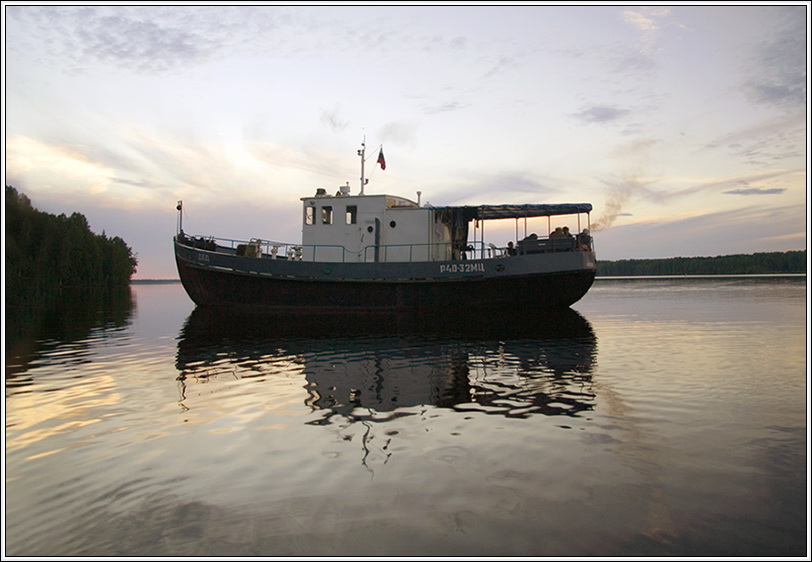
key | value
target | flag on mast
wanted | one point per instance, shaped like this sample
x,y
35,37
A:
x,y
381,160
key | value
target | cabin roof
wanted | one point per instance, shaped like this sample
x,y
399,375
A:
x,y
484,212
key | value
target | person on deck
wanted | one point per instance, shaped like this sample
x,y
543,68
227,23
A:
x,y
584,240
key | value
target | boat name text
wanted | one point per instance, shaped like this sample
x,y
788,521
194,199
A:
x,y
463,268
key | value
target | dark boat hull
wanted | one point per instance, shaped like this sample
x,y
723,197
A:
x,y
259,284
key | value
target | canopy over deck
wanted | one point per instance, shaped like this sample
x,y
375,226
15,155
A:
x,y
485,212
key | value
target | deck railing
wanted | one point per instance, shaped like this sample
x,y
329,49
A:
x,y
375,253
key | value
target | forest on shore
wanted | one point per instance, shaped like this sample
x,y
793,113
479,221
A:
x,y
48,254
793,261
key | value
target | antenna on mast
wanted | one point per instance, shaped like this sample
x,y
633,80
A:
x,y
361,152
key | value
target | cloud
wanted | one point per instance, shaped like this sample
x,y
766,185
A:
x,y
115,177
648,21
717,184
755,228
645,19
142,45
144,169
145,39
436,42
504,63
511,187
756,191
135,38
635,185
285,158
768,142
139,183
331,120
776,70
601,114
634,62
400,132
34,164
639,21
443,107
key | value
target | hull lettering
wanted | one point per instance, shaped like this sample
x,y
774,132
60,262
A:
x,y
472,267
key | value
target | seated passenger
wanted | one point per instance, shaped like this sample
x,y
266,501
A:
x,y
557,233
584,240
511,249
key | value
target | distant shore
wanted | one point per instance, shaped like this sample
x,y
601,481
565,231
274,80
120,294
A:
x,y
764,263
712,276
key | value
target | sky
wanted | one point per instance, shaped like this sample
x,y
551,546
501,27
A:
x,y
685,126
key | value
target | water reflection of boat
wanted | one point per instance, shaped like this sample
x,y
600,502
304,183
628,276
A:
x,y
512,366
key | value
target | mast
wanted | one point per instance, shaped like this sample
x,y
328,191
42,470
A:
x,y
363,149
361,152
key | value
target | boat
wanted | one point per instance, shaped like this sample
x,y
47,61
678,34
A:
x,y
363,253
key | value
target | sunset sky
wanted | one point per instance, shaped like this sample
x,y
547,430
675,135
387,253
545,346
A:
x,y
683,125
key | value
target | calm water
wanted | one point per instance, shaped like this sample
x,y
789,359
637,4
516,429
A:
x,y
658,418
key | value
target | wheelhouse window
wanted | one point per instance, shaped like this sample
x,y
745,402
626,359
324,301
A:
x,y
326,215
352,214
310,215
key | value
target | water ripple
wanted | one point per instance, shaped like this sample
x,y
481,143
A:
x,y
673,422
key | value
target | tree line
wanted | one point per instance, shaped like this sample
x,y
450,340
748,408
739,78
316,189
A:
x,y
738,264
48,254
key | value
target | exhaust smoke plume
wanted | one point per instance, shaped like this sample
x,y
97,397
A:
x,y
617,197
635,157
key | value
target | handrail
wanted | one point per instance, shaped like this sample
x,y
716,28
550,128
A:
x,y
280,250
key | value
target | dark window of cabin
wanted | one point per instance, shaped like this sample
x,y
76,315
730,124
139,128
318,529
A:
x,y
326,215
310,215
352,214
